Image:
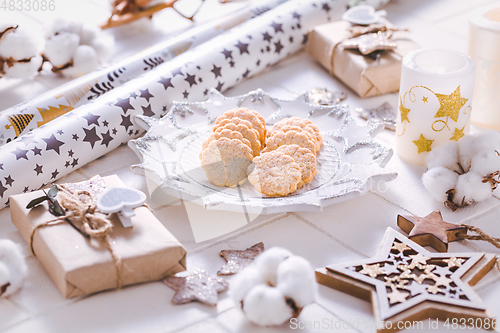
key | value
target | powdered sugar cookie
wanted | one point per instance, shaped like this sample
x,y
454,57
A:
x,y
289,138
226,161
304,158
288,128
226,133
248,133
247,115
274,174
305,124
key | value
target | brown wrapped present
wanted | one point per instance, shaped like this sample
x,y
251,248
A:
x,y
368,75
80,264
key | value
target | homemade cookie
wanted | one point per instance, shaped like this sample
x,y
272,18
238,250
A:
x,y
250,134
247,115
305,124
225,133
304,158
289,138
288,128
226,161
274,174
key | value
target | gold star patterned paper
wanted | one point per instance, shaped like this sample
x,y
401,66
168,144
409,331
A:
x,y
423,144
450,105
425,285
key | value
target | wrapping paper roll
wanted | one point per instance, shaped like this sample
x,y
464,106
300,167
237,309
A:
x,y
22,118
484,48
81,136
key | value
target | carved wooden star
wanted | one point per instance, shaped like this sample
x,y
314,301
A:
x,y
196,286
237,260
419,293
431,230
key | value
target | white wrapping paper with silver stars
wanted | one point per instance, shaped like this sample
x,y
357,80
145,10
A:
x,y
82,135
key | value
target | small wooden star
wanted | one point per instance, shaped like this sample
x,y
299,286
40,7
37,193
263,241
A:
x,y
369,43
431,230
196,286
445,294
237,260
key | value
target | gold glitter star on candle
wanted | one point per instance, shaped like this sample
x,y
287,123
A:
x,y
458,134
404,111
450,105
423,144
424,99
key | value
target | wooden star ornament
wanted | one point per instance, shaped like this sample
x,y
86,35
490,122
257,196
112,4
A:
x,y
431,230
196,286
407,283
237,260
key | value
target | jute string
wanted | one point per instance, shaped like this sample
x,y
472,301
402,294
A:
x,y
94,225
482,236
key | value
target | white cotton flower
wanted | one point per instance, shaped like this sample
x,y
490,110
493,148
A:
x,y
470,189
275,287
84,61
60,48
22,46
297,280
13,269
242,283
485,162
467,148
83,47
438,181
24,70
445,155
268,262
489,140
265,306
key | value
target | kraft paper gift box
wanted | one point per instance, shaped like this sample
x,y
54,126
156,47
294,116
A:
x,y
81,266
368,75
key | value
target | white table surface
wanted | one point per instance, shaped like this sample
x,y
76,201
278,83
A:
x,y
343,232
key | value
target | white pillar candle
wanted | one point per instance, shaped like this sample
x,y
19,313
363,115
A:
x,y
435,98
484,48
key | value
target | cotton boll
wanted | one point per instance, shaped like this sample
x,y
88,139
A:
x,y
243,282
445,155
88,34
84,61
268,262
19,44
103,46
61,25
24,70
297,280
486,161
266,306
489,140
438,181
13,267
467,148
59,49
470,189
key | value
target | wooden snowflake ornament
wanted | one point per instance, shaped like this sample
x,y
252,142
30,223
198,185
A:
x,y
405,282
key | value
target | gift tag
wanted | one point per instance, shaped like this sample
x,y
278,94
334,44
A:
x,y
121,200
363,15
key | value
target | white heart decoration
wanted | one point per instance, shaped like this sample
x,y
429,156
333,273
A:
x,y
121,200
363,15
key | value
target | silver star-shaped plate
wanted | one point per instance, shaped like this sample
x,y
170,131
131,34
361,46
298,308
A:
x,y
348,163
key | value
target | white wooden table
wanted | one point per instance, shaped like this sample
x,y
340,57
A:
x,y
343,232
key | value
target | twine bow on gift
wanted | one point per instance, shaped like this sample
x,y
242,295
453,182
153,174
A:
x,y
79,206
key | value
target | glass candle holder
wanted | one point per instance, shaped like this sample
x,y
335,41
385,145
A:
x,y
484,48
435,99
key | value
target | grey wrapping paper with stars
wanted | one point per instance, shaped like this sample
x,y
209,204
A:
x,y
90,131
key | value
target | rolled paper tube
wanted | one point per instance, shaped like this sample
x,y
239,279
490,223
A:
x,y
79,137
435,99
22,118
484,48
